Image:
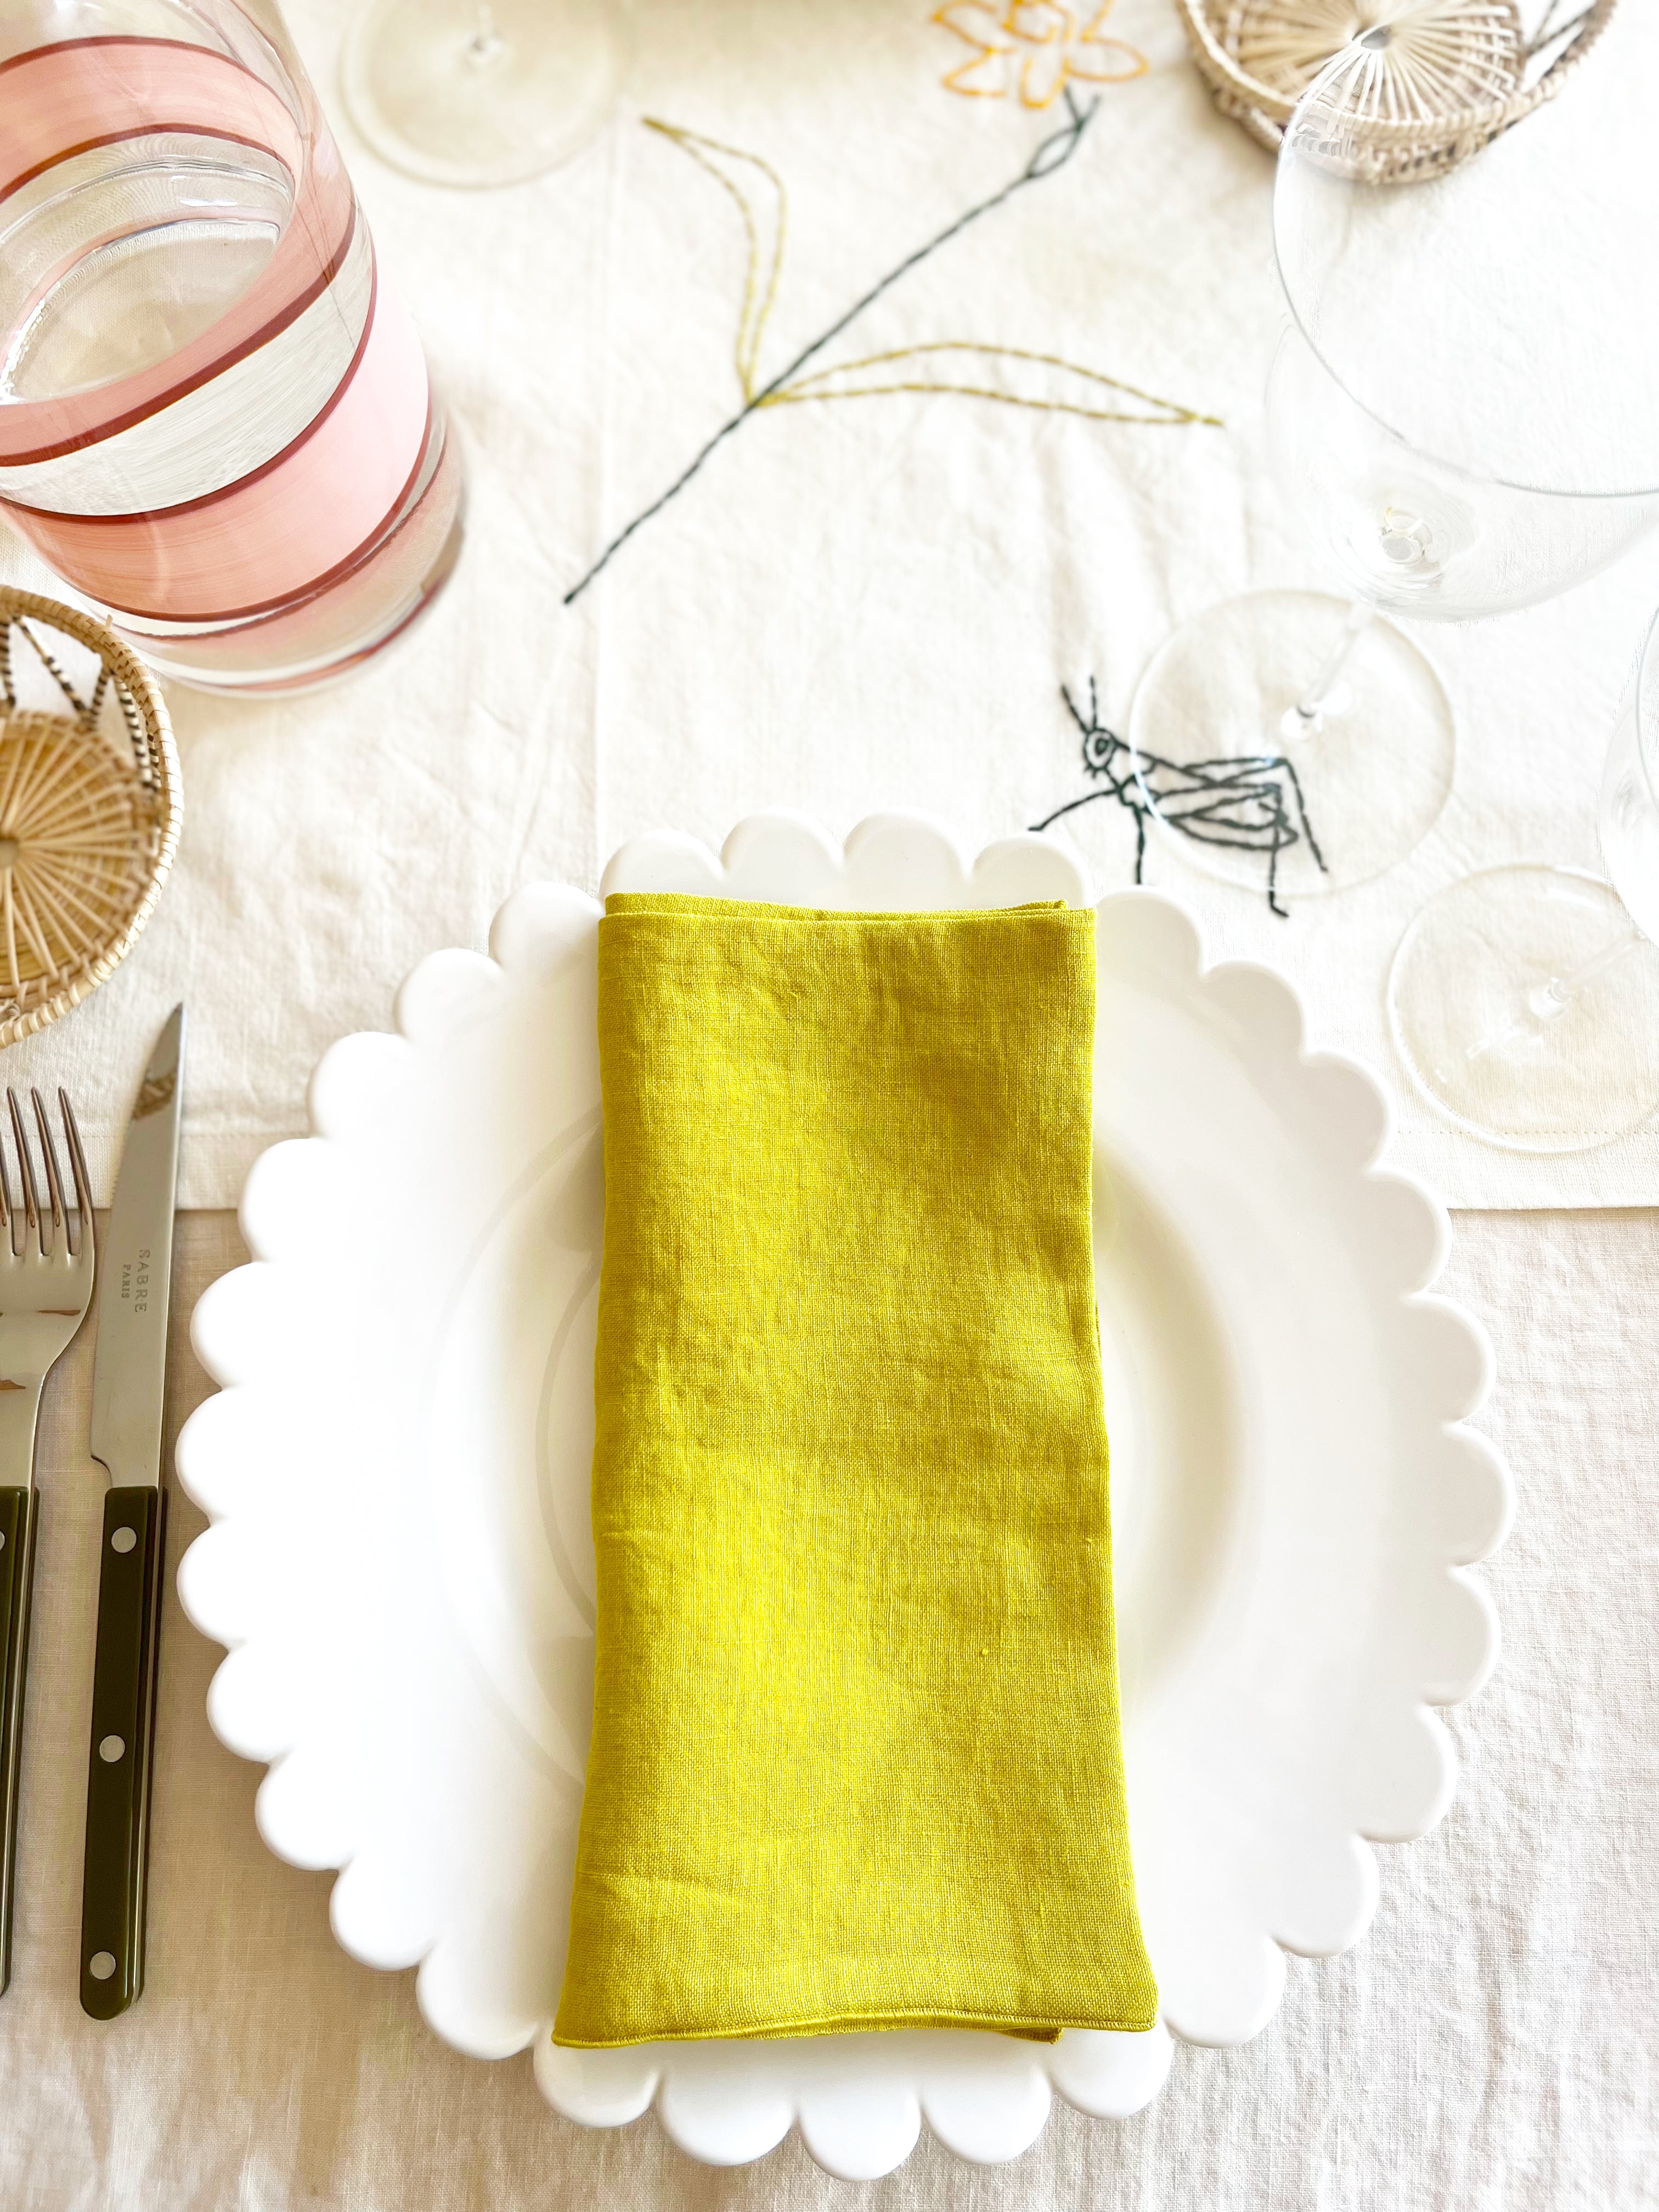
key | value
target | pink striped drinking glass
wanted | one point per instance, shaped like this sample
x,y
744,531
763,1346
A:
x,y
216,420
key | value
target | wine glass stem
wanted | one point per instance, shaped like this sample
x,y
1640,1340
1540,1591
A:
x,y
1313,700
1551,998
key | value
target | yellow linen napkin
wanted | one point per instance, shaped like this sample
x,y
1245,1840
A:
x,y
855,1758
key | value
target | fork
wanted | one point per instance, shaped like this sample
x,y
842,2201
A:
x,y
47,1261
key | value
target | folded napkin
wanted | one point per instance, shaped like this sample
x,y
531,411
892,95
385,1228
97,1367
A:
x,y
855,1758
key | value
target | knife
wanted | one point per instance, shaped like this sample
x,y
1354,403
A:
x,y
135,1268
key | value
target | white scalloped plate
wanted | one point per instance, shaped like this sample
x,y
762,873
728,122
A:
x,y
396,1471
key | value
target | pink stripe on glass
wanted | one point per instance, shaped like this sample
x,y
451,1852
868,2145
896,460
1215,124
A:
x,y
214,414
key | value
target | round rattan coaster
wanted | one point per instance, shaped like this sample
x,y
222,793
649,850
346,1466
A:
x,y
90,807
1447,77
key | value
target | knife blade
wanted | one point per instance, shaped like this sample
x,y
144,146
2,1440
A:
x,y
128,1387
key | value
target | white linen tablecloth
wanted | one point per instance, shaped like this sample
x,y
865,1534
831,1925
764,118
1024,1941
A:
x,y
1487,2048
857,604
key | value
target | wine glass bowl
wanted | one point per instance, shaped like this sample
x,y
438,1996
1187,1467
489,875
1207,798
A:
x,y
1410,533
1453,445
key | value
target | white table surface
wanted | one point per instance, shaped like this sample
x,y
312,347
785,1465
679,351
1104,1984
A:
x,y
1490,2043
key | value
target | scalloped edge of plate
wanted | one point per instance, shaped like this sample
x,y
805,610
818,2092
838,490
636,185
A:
x,y
785,852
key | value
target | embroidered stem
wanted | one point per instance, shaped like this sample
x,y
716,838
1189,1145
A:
x,y
1050,156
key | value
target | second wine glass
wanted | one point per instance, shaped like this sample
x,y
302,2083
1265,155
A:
x,y
1455,446
1525,999
483,92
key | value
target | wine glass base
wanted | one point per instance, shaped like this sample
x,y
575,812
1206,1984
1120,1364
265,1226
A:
x,y
482,92
1499,1051
1241,784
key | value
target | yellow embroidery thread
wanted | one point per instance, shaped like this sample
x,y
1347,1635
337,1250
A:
x,y
1035,48
757,298
1168,410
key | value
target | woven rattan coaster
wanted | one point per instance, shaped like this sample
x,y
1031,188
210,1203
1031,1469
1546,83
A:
x,y
1447,76
90,807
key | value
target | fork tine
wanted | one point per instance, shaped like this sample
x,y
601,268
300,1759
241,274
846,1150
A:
x,y
25,1170
5,1200
54,1180
83,1180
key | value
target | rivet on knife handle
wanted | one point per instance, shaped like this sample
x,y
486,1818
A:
x,y
122,1757
19,1518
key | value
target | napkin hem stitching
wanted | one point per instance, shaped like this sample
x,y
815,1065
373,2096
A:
x,y
874,2019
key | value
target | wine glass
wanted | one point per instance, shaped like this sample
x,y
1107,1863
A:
x,y
1463,416
1525,999
483,92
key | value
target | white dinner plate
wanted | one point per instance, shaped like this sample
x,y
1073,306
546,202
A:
x,y
396,1471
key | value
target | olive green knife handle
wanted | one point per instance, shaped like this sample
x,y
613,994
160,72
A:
x,y
18,1521
121,1760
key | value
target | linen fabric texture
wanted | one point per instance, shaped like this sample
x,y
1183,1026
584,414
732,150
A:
x,y
855,1759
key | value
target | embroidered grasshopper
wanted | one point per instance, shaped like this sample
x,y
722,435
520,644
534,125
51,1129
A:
x,y
1248,802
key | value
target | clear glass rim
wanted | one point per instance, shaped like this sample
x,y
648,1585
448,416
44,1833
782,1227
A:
x,y
355,77
1327,75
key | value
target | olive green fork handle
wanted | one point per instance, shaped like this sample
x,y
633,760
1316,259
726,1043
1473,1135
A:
x,y
119,1767
19,1520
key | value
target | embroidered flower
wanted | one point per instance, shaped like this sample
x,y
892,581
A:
x,y
1035,48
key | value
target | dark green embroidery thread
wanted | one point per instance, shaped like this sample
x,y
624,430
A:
x,y
1248,802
